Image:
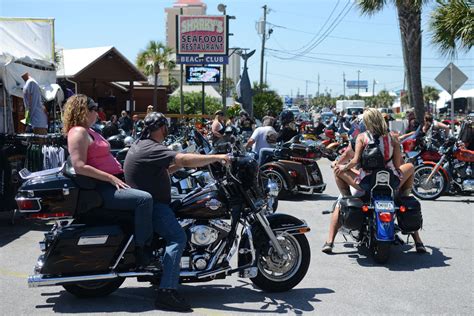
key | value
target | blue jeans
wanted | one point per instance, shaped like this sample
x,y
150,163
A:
x,y
131,199
167,226
264,154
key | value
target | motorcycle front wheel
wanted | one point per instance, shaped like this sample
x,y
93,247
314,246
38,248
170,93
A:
x,y
276,274
94,288
428,190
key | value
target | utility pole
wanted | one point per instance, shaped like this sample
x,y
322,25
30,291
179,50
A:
x,y
344,83
373,88
306,94
266,70
264,35
318,84
358,82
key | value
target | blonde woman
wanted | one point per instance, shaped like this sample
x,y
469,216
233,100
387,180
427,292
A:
x,y
346,176
90,156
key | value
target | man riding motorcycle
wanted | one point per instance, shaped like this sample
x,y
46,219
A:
x,y
147,167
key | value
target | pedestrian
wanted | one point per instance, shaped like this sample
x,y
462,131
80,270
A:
x,y
37,115
101,114
125,122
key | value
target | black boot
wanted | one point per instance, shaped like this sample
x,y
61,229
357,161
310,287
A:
x,y
142,257
170,300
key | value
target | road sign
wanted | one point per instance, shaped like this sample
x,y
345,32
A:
x,y
444,78
207,59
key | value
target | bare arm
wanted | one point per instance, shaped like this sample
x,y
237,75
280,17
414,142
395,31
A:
x,y
196,160
78,143
250,143
397,155
215,131
445,127
173,168
358,152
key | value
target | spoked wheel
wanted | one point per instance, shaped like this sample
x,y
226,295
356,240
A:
x,y
94,288
428,190
276,274
280,181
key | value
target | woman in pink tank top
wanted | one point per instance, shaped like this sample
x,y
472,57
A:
x,y
90,156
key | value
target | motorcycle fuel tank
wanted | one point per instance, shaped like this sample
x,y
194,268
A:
x,y
204,204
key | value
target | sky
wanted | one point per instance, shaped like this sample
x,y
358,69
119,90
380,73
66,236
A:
x,y
344,41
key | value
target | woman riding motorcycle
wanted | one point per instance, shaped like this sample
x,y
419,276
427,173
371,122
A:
x,y
347,177
90,156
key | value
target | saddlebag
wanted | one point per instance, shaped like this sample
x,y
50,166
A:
x,y
80,249
351,215
411,220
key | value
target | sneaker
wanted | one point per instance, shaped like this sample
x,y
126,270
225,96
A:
x,y
170,300
327,247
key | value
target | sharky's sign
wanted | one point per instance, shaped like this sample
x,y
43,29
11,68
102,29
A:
x,y
201,35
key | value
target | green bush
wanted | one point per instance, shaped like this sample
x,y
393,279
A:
x,y
193,104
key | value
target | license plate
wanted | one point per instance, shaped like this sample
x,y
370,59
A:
x,y
384,206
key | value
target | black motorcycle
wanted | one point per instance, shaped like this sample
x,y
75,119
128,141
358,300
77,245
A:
x,y
90,250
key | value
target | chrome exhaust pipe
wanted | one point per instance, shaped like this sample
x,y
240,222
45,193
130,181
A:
x,y
38,280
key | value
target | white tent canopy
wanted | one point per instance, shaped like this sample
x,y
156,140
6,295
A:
x,y
445,96
208,90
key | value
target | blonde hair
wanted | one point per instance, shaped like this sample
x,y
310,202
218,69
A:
x,y
374,122
75,112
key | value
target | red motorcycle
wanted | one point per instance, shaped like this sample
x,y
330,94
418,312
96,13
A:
x,y
453,173
418,149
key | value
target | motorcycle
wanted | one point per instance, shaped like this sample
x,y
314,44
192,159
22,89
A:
x,y
452,173
294,168
90,250
418,148
375,219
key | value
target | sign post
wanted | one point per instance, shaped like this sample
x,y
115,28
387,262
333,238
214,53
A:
x,y
200,40
451,78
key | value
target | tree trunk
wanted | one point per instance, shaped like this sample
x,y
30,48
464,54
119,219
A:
x,y
155,88
409,16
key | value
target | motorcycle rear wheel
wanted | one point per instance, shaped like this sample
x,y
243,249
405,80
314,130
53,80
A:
x,y
380,251
94,288
437,185
280,180
278,275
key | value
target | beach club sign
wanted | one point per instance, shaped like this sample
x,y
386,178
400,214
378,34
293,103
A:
x,y
199,37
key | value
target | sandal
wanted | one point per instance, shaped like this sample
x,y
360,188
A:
x,y
420,248
327,247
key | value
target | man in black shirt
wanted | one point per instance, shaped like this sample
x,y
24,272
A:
x,y
288,129
147,167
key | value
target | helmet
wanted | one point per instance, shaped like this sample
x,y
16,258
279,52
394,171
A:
x,y
128,141
287,117
243,112
155,120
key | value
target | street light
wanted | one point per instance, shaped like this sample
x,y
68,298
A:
x,y
156,70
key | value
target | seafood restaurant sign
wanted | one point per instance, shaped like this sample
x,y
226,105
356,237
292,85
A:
x,y
199,36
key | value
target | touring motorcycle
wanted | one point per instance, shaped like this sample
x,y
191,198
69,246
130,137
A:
x,y
90,250
294,167
375,219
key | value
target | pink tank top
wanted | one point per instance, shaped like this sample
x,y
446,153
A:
x,y
99,156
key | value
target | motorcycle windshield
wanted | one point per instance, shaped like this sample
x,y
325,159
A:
x,y
385,220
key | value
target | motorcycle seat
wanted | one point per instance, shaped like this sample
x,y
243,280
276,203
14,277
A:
x,y
83,182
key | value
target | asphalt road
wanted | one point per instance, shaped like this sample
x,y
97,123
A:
x,y
347,282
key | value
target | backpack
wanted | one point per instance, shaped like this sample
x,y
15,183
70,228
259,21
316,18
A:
x,y
271,136
372,156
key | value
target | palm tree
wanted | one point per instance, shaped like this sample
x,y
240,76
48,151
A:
x,y
150,60
452,26
430,94
409,18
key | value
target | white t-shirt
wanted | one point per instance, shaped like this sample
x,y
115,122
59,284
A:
x,y
260,137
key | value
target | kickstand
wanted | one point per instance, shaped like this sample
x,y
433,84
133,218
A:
x,y
399,240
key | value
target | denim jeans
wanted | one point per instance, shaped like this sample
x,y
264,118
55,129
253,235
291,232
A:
x,y
140,202
264,154
167,226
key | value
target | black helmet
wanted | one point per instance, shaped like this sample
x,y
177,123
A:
x,y
155,120
286,117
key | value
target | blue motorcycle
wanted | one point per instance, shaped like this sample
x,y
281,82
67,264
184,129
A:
x,y
375,219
